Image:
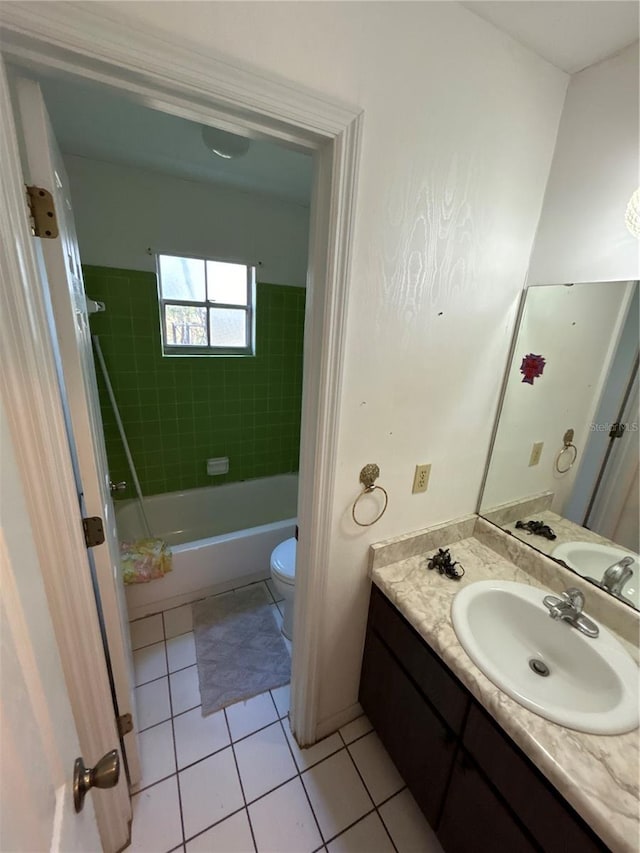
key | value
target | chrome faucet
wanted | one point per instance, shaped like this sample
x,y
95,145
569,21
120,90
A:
x,y
568,607
616,576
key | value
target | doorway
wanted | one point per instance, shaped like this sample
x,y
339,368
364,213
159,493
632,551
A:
x,y
170,409
200,88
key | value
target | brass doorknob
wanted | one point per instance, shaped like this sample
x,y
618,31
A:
x,y
104,775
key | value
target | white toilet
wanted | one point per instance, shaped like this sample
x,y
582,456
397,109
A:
x,y
283,575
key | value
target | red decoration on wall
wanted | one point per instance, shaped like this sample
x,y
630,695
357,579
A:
x,y
532,367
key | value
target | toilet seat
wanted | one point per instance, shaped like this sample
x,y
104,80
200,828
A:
x,y
283,561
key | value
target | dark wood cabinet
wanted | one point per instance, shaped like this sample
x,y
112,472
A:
x,y
476,788
474,818
422,747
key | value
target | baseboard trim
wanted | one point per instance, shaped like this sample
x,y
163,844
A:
x,y
336,721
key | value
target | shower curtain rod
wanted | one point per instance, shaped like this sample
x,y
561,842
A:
x,y
123,435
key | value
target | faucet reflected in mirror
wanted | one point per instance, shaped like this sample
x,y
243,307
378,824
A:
x,y
562,474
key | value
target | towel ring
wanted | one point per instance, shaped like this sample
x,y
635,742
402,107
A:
x,y
368,476
568,446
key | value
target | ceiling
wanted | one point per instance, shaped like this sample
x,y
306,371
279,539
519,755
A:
x,y
571,34
91,121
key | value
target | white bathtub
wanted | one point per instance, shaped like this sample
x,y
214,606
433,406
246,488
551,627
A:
x,y
221,537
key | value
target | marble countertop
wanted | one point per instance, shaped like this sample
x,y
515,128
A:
x,y
597,774
565,530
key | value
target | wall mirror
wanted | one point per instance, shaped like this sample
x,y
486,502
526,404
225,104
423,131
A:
x,y
563,469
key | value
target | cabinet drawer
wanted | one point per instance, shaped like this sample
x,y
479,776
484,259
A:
x,y
420,745
547,816
443,691
474,819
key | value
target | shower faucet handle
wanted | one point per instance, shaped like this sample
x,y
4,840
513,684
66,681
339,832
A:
x,y
118,487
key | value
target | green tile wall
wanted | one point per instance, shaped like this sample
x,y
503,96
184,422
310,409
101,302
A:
x,y
179,411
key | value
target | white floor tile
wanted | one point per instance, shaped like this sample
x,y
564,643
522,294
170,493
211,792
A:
x,y
247,717
177,621
407,825
156,819
198,736
181,651
274,592
149,663
376,767
232,835
367,836
156,753
152,703
337,795
283,822
311,755
185,689
209,791
146,631
264,761
355,729
281,696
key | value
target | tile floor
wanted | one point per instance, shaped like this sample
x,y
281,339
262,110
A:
x,y
237,782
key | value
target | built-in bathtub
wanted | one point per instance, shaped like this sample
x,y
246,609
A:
x,y
220,536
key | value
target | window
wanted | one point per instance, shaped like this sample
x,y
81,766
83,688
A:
x,y
206,306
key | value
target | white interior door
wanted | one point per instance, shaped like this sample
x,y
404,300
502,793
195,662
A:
x,y
44,167
38,737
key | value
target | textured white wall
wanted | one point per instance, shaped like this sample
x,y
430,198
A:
x,y
576,330
582,234
121,211
459,129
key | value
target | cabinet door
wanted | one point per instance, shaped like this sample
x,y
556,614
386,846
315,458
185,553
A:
x,y
475,819
419,661
419,744
549,819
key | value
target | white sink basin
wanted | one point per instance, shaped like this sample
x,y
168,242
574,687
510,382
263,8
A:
x,y
592,685
591,560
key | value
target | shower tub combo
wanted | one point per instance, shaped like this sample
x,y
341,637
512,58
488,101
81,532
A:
x,y
221,537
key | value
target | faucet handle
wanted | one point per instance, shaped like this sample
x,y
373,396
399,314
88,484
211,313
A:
x,y
575,598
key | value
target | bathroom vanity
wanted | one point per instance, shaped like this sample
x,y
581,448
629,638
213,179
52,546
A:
x,y
487,773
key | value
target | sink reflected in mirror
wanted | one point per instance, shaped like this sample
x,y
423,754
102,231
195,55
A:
x,y
562,475
612,569
547,665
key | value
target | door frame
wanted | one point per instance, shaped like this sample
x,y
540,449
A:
x,y
30,390
180,78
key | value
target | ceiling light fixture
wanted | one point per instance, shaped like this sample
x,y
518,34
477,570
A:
x,y
632,216
225,145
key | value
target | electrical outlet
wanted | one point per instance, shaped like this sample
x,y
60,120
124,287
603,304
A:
x,y
421,479
536,453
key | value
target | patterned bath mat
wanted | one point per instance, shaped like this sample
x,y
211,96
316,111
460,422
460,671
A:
x,y
239,649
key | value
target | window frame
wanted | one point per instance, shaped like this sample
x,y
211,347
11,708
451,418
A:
x,y
208,304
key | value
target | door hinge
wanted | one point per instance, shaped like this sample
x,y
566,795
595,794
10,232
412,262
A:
x,y
93,531
617,430
125,724
43,212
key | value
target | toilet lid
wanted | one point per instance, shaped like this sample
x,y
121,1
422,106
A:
x,y
283,560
